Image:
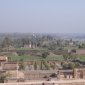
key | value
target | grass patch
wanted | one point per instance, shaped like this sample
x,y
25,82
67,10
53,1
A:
x,y
70,47
14,58
31,49
81,57
55,57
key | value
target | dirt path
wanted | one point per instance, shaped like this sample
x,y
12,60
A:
x,y
50,82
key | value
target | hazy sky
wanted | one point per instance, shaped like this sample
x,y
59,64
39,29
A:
x,y
56,16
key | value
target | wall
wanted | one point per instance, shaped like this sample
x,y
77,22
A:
x,y
61,82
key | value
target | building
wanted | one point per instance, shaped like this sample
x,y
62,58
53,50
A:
x,y
3,59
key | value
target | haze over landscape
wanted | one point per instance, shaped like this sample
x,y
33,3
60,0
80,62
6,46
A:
x,y
42,16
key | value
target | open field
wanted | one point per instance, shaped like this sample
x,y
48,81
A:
x,y
29,57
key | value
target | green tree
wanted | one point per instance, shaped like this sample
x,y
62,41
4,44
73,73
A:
x,y
52,46
35,65
21,64
73,57
41,65
45,54
71,65
46,65
66,57
9,58
6,42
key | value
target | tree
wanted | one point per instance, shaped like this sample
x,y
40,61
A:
x,y
35,65
6,42
69,57
41,65
46,65
52,46
66,57
9,58
21,64
73,57
45,54
70,65
52,66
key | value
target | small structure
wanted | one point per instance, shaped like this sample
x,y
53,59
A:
x,y
3,58
9,66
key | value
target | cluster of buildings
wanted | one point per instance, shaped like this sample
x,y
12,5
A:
x,y
6,66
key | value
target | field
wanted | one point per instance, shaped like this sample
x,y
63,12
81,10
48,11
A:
x,y
49,57
29,57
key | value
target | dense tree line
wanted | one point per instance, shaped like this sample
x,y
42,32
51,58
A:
x,y
45,41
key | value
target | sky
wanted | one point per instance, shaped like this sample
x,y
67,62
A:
x,y
42,16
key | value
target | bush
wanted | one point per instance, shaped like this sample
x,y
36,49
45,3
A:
x,y
35,65
70,65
